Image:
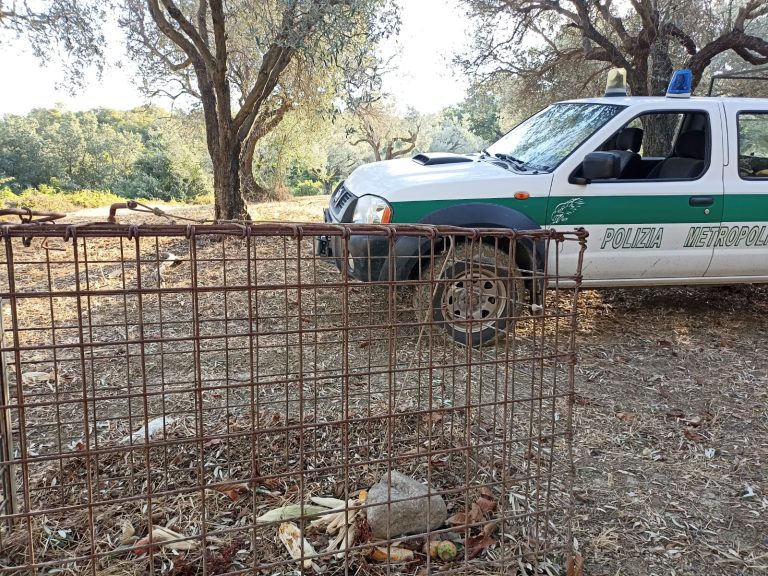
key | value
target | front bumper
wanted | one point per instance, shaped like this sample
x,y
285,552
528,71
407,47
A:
x,y
362,257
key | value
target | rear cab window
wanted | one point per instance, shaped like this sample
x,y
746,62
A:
x,y
753,145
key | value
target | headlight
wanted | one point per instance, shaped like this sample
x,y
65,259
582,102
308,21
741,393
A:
x,y
372,210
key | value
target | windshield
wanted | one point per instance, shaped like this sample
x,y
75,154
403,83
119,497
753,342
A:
x,y
546,139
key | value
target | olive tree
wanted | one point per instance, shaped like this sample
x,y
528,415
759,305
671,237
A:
x,y
67,30
233,58
533,38
378,125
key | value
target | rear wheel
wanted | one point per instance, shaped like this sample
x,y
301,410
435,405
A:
x,y
476,294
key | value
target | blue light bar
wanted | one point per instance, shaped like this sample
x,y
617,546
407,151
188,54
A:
x,y
680,84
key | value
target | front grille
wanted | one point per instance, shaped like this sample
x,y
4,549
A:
x,y
342,197
340,202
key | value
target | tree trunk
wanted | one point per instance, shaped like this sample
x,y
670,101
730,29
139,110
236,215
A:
x,y
659,132
230,204
661,66
255,192
252,190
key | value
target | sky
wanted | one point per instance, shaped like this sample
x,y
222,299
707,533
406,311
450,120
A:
x,y
422,77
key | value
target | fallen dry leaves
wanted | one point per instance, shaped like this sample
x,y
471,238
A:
x,y
232,491
693,436
37,377
476,544
166,538
575,565
700,439
298,547
627,417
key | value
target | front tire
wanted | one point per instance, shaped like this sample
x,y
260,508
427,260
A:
x,y
475,293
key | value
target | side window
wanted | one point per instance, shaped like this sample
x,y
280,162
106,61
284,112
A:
x,y
753,145
662,145
659,133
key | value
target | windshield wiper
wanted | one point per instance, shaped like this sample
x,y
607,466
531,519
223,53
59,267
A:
x,y
519,164
537,167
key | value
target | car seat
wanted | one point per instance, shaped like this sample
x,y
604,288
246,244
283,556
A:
x,y
688,157
628,143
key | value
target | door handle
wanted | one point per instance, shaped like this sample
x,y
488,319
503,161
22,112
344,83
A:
x,y
701,200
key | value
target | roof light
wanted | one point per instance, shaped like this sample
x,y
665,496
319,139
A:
x,y
617,82
680,84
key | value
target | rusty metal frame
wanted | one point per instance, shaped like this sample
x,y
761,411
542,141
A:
x,y
8,505
193,377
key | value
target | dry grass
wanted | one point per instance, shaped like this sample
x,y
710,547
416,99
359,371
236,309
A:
x,y
305,209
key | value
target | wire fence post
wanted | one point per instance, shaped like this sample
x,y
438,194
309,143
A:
x,y
7,476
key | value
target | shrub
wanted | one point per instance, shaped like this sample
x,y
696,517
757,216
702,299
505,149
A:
x,y
7,198
93,198
48,190
308,188
33,199
46,199
207,198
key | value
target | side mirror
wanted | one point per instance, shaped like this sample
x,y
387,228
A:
x,y
601,166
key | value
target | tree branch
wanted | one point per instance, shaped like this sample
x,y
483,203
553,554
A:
x,y
202,20
224,103
685,41
615,22
751,48
174,35
751,57
590,32
191,32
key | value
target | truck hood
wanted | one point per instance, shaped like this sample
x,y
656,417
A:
x,y
405,181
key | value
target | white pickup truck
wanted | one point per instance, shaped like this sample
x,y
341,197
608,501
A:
x,y
673,190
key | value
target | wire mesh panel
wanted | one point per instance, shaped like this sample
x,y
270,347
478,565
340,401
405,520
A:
x,y
272,399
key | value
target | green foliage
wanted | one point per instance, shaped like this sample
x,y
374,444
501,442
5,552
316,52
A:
x,y
34,199
65,31
7,197
480,113
308,188
93,198
452,135
145,152
48,199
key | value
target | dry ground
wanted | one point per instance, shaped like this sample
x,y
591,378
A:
x,y
672,431
671,425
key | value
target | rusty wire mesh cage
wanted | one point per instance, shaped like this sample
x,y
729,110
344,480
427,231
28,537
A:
x,y
222,400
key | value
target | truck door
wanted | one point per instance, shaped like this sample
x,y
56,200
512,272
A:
x,y
671,180
741,242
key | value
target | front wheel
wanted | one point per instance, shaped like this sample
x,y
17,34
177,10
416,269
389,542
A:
x,y
474,293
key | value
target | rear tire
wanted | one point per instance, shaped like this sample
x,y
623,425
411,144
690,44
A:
x,y
474,293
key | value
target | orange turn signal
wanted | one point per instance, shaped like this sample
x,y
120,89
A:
x,y
522,195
